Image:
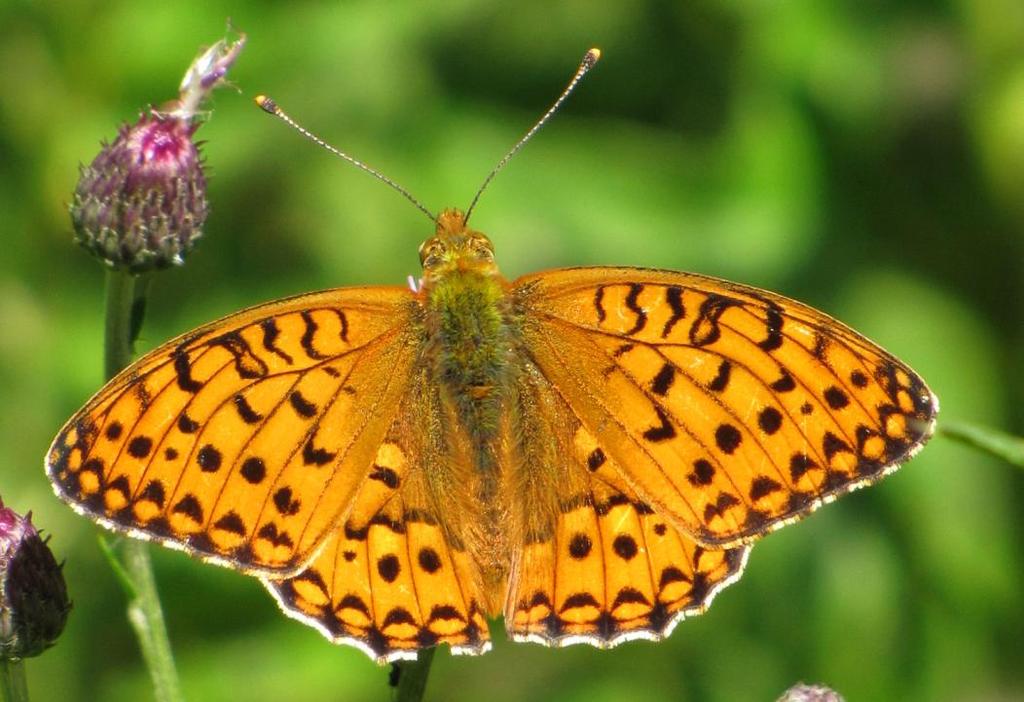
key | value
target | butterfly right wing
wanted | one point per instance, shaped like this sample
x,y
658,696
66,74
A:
x,y
244,441
733,410
593,563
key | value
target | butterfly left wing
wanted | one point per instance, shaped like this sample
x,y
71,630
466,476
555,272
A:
x,y
393,578
244,441
730,409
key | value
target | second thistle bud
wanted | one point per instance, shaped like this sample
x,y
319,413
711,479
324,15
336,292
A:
x,y
33,597
141,204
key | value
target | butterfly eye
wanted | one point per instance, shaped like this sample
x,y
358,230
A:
x,y
430,253
482,249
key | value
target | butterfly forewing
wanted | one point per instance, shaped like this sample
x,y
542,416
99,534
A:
x,y
232,442
731,409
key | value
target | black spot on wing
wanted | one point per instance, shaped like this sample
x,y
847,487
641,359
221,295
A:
x,y
247,364
301,405
664,431
389,567
154,492
785,382
705,329
579,599
284,502
245,410
763,486
271,533
429,560
253,470
728,438
270,334
773,323
800,463
632,304
385,475
579,546
836,398
140,446
312,455
703,473
674,298
770,420
308,335
625,547
183,372
209,459
599,304
230,522
832,445
629,595
663,380
189,506
187,425
721,381
397,615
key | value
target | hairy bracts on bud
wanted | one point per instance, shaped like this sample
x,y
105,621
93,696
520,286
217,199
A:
x,y
34,601
141,204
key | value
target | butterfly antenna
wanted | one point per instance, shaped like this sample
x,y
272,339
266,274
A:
x,y
589,59
268,105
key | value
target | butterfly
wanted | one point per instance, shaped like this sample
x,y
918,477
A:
x,y
587,452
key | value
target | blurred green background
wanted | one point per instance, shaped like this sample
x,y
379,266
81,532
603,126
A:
x,y
865,157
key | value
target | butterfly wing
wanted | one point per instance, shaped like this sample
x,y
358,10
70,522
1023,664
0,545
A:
x,y
244,441
595,563
730,410
393,578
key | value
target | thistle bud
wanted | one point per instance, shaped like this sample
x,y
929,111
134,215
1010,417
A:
x,y
33,597
810,693
141,204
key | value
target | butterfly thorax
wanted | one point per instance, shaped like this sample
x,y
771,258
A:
x,y
466,314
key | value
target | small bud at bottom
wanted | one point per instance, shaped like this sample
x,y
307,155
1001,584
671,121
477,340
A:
x,y
34,601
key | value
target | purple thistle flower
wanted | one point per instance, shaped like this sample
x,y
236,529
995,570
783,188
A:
x,y
141,204
34,601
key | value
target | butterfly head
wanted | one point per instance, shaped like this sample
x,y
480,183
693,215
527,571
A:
x,y
456,248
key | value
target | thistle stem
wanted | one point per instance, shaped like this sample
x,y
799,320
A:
x,y
1008,447
12,680
412,676
126,300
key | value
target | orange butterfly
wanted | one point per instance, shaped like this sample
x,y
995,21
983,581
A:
x,y
588,452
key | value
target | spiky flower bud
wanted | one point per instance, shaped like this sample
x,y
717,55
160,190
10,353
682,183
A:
x,y
810,693
33,597
141,204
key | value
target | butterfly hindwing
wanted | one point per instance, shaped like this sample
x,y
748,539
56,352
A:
x,y
232,442
594,563
393,579
731,409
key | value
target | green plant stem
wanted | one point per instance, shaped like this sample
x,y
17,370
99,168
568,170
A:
x,y
12,680
412,678
1005,446
126,298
